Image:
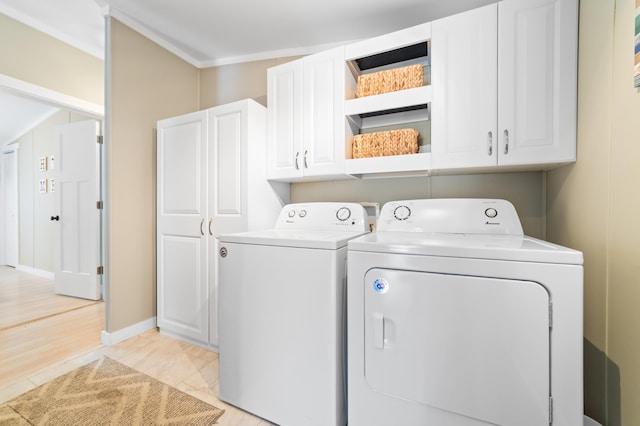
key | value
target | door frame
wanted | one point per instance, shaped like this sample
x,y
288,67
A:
x,y
4,219
91,110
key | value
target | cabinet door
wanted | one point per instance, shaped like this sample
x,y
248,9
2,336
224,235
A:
x,y
537,60
227,188
464,81
182,275
227,168
323,113
284,97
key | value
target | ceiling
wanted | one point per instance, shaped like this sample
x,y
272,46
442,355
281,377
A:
x,y
210,33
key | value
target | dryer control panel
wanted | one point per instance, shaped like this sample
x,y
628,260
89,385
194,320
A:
x,y
323,216
454,216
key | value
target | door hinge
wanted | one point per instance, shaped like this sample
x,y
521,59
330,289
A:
x,y
550,314
100,270
550,409
100,139
99,205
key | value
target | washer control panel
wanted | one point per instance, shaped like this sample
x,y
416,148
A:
x,y
323,216
458,216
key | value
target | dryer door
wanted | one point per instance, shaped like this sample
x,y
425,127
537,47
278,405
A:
x,y
474,346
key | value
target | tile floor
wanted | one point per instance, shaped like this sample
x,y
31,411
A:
x,y
191,369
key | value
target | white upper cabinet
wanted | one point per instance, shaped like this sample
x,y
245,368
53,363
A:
x,y
499,94
504,86
306,117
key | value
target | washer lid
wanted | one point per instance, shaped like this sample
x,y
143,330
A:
x,y
327,240
475,246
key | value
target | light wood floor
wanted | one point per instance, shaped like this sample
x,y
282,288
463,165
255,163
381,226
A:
x,y
34,353
26,297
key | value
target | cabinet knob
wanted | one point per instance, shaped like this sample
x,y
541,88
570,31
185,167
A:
x,y
297,155
490,143
56,218
305,159
202,226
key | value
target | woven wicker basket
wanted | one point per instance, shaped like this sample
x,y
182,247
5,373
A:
x,y
392,142
390,80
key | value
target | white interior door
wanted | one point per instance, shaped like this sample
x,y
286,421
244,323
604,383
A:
x,y
76,188
10,181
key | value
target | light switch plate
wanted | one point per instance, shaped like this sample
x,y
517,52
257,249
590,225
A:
x,y
43,185
52,185
43,164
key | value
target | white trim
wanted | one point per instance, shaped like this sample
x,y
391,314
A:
x,y
34,271
52,32
272,54
49,96
140,28
109,339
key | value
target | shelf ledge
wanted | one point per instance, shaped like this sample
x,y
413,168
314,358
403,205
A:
x,y
389,101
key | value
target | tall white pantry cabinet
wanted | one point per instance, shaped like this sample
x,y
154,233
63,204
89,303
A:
x,y
211,180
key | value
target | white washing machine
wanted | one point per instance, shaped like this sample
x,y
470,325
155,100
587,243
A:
x,y
455,318
282,315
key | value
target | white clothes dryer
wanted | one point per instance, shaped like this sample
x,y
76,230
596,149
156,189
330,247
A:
x,y
455,318
282,315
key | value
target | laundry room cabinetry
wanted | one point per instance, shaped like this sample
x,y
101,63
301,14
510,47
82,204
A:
x,y
306,119
408,108
211,179
504,82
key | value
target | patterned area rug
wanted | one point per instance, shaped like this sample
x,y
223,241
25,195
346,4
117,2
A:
x,y
106,392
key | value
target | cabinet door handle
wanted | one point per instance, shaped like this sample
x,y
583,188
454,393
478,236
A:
x,y
297,155
210,223
506,142
490,143
305,159
201,226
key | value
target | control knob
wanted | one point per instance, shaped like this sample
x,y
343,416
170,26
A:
x,y
402,212
343,213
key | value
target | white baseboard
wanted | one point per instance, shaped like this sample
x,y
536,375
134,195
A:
x,y
118,336
34,271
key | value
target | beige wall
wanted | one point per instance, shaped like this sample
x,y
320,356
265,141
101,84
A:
x,y
230,83
593,206
146,83
34,57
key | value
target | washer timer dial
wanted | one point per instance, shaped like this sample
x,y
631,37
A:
x,y
343,213
402,212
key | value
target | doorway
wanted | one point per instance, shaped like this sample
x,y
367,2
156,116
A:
x,y
9,182
72,105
